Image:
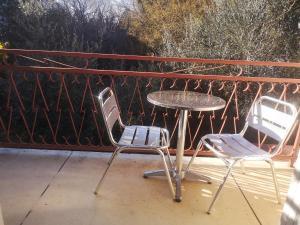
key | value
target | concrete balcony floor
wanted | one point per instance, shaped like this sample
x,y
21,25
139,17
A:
x,y
56,188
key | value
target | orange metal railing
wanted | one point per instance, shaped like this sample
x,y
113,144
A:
x,y
48,102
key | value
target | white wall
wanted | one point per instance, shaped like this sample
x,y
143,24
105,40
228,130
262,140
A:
x,y
1,217
291,209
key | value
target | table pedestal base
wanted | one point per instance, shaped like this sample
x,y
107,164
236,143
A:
x,y
153,173
189,175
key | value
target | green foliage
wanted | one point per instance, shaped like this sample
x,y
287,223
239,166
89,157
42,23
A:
x,y
9,11
64,25
150,19
250,30
293,30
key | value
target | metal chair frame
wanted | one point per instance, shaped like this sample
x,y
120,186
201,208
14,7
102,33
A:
x,y
110,116
261,119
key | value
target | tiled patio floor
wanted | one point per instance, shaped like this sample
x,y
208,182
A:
x,y
56,188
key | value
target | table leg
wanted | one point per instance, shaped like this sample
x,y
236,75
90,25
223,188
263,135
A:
x,y
179,152
178,173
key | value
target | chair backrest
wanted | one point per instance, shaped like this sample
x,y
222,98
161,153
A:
x,y
110,111
276,120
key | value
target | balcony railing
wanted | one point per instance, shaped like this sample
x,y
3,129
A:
x,y
49,102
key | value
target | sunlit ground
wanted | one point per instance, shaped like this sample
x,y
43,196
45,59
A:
x,y
56,187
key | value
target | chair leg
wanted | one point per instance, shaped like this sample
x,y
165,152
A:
x,y
220,187
112,157
169,158
274,180
167,172
115,153
194,156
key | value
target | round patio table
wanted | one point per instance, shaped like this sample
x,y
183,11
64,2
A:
x,y
183,101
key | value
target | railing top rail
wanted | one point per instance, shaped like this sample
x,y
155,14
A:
x,y
151,74
149,58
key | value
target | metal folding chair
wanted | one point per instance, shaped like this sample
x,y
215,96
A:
x,y
269,116
147,138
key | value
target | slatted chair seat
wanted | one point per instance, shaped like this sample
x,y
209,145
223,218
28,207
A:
x,y
143,136
235,146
